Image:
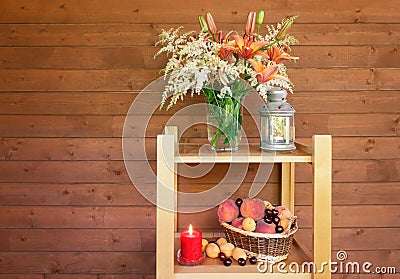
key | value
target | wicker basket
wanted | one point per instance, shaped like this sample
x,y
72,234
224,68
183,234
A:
x,y
270,248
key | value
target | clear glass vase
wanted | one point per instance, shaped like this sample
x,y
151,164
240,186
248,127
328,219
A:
x,y
224,124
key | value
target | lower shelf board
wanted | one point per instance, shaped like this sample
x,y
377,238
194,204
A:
x,y
214,268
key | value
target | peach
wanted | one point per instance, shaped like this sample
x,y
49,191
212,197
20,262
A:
x,y
204,243
284,223
284,212
238,222
227,249
263,227
212,250
268,205
249,224
221,241
253,208
227,211
239,253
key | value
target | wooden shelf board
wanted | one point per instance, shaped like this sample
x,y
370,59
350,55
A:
x,y
196,153
214,268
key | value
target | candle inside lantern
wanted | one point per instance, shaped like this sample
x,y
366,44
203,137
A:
x,y
191,253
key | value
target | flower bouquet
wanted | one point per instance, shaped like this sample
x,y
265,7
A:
x,y
225,68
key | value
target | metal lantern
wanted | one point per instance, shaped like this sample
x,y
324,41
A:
x,y
277,122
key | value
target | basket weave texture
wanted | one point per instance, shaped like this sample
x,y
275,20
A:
x,y
266,247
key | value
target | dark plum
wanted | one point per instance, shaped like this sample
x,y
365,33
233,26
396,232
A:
x,y
279,229
253,260
239,202
222,256
268,220
227,262
276,220
242,262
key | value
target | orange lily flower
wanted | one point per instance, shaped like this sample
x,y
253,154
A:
x,y
247,48
265,74
225,52
278,56
251,23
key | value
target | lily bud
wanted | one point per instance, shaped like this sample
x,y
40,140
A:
x,y
203,24
285,27
251,23
260,17
211,24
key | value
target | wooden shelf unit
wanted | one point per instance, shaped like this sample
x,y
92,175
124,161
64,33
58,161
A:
x,y
167,242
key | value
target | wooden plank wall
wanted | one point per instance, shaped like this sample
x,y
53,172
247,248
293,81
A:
x,y
69,70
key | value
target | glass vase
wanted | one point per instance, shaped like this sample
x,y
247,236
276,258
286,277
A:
x,y
224,124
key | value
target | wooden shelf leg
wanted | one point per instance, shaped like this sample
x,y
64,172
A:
x,y
166,206
322,203
287,189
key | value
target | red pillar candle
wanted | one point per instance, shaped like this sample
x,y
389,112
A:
x,y
191,253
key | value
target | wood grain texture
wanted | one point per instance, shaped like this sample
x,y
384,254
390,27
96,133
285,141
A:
x,y
115,172
348,79
179,12
119,103
69,240
110,149
97,58
112,126
122,35
77,262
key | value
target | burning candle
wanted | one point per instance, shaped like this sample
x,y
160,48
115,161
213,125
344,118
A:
x,y
191,253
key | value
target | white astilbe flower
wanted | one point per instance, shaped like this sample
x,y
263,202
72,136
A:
x,y
225,90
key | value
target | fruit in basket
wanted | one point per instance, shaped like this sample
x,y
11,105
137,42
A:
x,y
212,250
275,212
276,220
284,212
238,222
227,249
221,241
249,224
238,253
268,213
263,227
242,261
284,223
279,229
227,262
268,205
268,220
227,211
239,202
253,208
204,243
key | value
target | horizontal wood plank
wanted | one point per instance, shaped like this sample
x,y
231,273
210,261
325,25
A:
x,y
77,262
119,103
97,58
28,194
137,79
105,35
69,240
77,217
179,12
138,126
110,149
115,172
40,217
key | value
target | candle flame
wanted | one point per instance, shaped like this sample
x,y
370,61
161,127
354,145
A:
x,y
190,229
